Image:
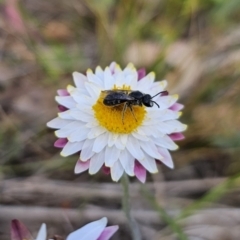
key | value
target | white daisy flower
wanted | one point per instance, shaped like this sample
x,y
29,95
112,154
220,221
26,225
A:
x,y
127,137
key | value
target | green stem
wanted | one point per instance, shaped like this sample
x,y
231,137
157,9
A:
x,y
135,231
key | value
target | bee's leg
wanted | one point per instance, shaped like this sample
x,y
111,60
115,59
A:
x,y
124,110
130,106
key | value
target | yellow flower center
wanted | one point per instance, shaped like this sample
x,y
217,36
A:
x,y
112,117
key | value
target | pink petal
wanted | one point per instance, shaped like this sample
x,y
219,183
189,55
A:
x,y
62,92
60,143
19,231
106,170
81,166
176,107
13,16
62,108
108,232
140,172
176,136
112,67
141,73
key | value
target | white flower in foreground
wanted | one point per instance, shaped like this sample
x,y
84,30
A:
x,y
96,230
132,143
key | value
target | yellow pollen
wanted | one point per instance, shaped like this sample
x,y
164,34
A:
x,y
110,117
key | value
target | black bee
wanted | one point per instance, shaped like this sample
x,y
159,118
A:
x,y
129,98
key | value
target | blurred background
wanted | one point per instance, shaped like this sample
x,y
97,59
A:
x,y
194,44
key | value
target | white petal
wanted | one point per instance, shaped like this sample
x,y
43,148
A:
x,y
87,152
111,155
166,101
116,171
81,116
79,79
139,136
134,148
68,129
151,149
82,98
170,126
93,90
94,78
90,231
58,123
119,78
67,101
119,144
157,87
96,131
167,159
96,162
99,72
132,80
85,108
108,79
92,124
42,234
71,148
100,142
163,115
146,82
79,134
165,142
127,162
151,129
66,115
112,139
149,163
130,70
176,126
123,139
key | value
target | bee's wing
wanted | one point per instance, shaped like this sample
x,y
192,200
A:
x,y
116,94
104,93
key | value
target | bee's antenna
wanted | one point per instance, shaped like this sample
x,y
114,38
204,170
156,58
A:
x,y
163,92
156,104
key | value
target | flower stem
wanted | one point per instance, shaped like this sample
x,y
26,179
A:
x,y
135,231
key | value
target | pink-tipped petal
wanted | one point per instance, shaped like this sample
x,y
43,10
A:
x,y
141,73
176,136
112,67
106,170
108,232
176,107
62,108
62,92
81,166
60,143
19,231
140,172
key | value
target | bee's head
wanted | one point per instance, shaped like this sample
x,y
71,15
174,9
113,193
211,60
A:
x,y
147,99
